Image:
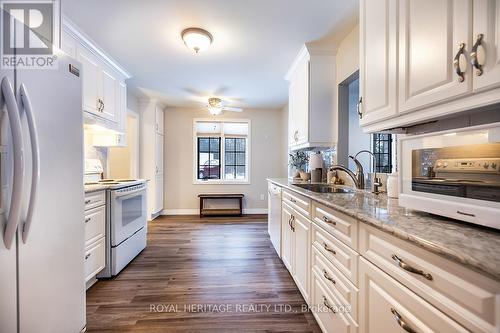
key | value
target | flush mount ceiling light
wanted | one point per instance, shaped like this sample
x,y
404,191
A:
x,y
197,39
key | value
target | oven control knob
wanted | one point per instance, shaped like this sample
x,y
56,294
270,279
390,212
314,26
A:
x,y
439,165
486,165
493,165
445,164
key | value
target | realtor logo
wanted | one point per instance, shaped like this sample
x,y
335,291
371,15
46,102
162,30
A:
x,y
28,33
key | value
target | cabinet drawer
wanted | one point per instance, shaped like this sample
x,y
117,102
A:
x,y
95,224
335,282
342,257
322,304
95,259
94,199
468,297
386,306
298,202
343,227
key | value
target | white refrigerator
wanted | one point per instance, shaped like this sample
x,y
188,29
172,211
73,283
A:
x,y
42,287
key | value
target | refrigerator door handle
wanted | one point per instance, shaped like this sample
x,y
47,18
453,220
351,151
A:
x,y
18,156
35,150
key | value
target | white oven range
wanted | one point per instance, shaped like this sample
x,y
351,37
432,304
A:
x,y
126,226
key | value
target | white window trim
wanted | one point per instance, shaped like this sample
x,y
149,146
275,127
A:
x,y
248,160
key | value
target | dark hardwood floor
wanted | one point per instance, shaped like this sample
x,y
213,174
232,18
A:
x,y
201,275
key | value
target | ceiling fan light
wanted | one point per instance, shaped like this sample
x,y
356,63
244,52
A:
x,y
197,39
214,111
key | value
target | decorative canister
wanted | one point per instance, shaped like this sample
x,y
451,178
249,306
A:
x,y
392,185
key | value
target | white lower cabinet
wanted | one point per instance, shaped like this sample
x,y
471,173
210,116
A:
x,y
330,312
302,249
95,235
296,247
387,306
286,236
356,278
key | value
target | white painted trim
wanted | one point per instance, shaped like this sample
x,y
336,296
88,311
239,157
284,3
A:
x,y
196,211
83,38
248,161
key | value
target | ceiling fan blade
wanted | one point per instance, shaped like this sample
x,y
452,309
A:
x,y
231,109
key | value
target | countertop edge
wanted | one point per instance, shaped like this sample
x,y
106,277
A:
x,y
415,240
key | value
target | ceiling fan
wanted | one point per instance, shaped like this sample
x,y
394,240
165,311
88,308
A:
x,y
216,106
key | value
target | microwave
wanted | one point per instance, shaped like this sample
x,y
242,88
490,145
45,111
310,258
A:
x,y
454,173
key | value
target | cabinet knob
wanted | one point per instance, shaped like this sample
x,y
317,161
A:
x,y
87,256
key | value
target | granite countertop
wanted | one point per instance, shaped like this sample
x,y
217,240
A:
x,y
473,246
95,187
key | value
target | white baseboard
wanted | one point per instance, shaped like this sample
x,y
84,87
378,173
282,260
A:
x,y
194,211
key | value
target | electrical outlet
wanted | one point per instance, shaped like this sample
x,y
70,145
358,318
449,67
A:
x,y
261,196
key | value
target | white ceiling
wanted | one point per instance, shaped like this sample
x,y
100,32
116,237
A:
x,y
255,41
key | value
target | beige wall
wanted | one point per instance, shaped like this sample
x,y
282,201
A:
x,y
267,131
348,55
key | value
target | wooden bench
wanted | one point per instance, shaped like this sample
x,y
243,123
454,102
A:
x,y
220,211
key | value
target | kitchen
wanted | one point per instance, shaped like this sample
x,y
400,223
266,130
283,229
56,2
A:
x,y
171,170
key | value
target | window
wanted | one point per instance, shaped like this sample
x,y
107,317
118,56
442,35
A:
x,y
208,158
221,151
382,149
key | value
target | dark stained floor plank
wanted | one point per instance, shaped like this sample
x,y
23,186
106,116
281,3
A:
x,y
214,274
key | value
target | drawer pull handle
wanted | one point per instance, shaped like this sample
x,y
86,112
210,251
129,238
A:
x,y
290,221
327,220
473,55
87,256
456,63
409,268
293,200
328,277
401,322
328,248
87,220
325,303
88,201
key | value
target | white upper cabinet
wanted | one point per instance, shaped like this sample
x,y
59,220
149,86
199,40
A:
x,y
311,99
91,74
433,37
109,95
378,62
425,60
485,52
103,81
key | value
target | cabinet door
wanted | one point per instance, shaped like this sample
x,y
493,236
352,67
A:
x,y
159,120
378,60
299,104
487,23
286,237
301,251
108,95
430,35
387,306
159,154
91,81
158,205
302,102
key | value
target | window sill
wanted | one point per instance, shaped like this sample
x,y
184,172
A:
x,y
221,182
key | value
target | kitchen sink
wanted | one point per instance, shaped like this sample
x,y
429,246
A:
x,y
324,188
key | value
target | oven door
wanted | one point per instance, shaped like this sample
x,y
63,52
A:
x,y
449,189
128,213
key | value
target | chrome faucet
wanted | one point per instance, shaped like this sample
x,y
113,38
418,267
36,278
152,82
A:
x,y
360,174
349,173
359,177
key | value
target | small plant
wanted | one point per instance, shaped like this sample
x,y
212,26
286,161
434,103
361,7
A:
x,y
298,160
